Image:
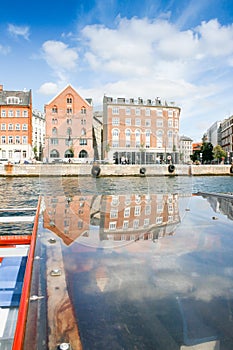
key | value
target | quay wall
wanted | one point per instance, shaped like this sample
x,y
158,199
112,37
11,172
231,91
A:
x,y
113,170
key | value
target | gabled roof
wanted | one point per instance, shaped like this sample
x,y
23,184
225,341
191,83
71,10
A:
x,y
69,86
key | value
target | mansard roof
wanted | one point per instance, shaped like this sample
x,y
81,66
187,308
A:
x,y
23,98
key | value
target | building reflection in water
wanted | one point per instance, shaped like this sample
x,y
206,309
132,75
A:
x,y
179,287
113,218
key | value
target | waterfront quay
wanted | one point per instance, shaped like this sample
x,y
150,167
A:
x,y
101,170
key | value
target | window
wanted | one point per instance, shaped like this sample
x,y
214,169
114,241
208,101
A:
x,y
135,223
24,127
80,224
69,100
83,121
127,111
69,121
148,210
83,110
115,144
169,134
115,200
138,122
10,126
137,210
176,123
159,123
83,132
17,126
128,121
146,222
54,109
25,140
159,220
54,121
148,122
159,112
17,139
10,139
54,131
3,113
10,113
170,113
115,121
125,225
147,112
83,142
113,213
137,111
25,114
69,110
170,123
127,143
3,140
126,212
112,225
18,113
54,141
115,110
3,126
115,133
12,100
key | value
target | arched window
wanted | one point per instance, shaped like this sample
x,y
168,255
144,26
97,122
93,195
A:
x,y
69,153
115,133
83,131
127,133
54,131
83,154
54,109
169,134
54,154
69,100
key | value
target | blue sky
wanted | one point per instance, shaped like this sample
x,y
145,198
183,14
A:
x,y
178,50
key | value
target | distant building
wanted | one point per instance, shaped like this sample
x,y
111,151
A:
x,y
185,149
38,133
16,125
227,137
98,135
138,131
69,120
214,134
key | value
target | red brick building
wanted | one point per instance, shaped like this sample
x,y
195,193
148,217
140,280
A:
x,y
69,127
16,125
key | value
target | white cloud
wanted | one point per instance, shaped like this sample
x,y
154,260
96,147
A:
x,y
59,56
48,89
19,31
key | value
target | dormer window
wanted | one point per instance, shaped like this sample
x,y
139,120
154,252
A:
x,y
12,100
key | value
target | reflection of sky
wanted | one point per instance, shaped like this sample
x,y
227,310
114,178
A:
x,y
184,279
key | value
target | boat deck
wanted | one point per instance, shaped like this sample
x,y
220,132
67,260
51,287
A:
x,y
14,251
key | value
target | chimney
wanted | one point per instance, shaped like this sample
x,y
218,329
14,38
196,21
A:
x,y
1,87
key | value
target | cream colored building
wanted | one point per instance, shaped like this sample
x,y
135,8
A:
x,y
138,131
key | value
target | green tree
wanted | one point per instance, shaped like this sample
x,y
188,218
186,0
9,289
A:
x,y
219,153
207,152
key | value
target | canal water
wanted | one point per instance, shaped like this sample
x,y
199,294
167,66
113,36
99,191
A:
x,y
147,262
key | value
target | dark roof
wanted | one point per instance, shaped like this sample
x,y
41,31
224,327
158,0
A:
x,y
24,97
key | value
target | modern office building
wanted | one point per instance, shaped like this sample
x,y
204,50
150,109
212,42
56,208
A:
x,y
16,125
138,131
69,120
227,137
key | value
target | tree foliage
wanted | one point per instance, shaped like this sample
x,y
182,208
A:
x,y
219,153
